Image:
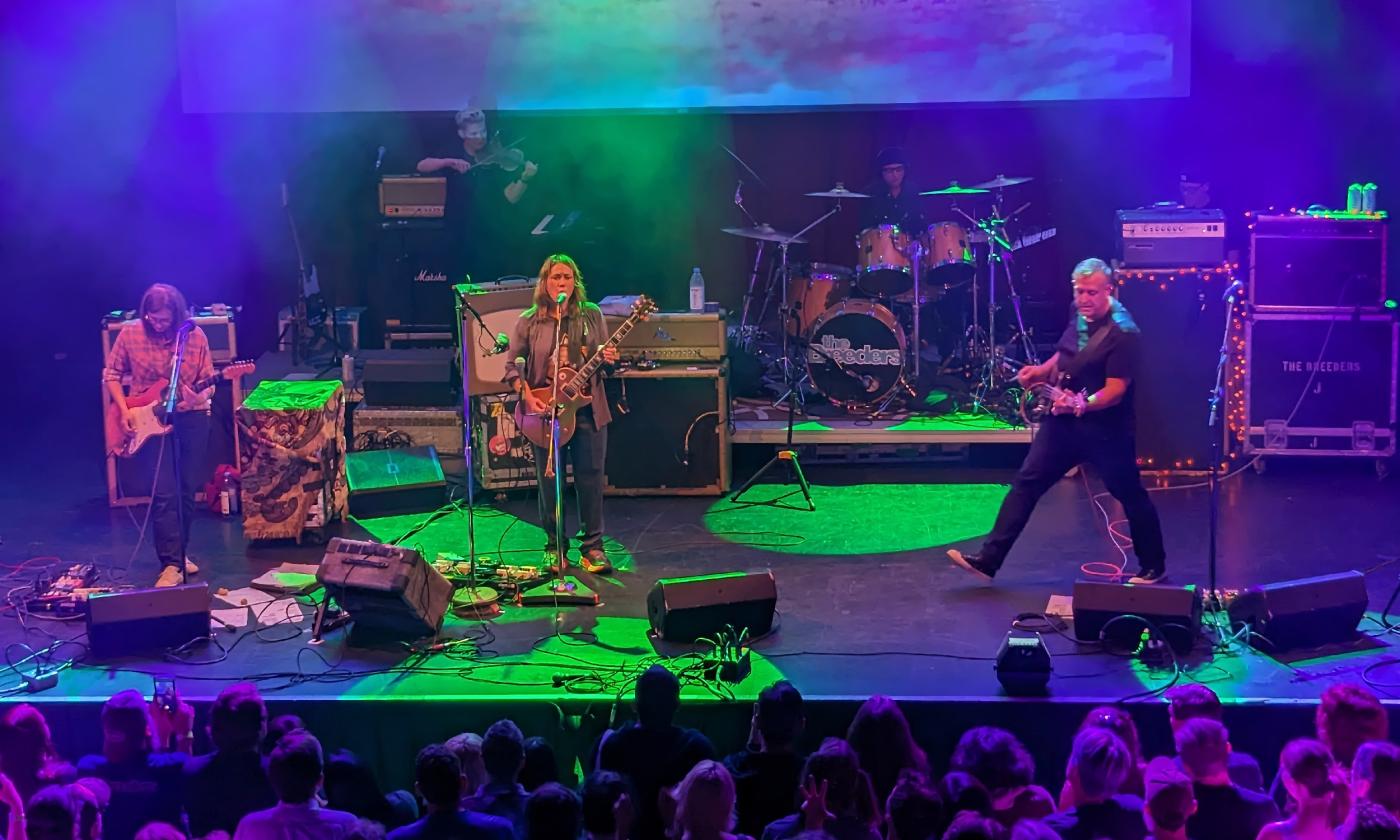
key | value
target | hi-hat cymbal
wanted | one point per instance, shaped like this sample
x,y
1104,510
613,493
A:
x,y
838,191
954,189
1002,181
765,233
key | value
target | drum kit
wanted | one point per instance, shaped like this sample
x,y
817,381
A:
x,y
857,329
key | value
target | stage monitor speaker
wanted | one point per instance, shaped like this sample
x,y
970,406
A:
x,y
420,377
1023,664
389,591
499,304
140,620
384,482
1303,613
685,609
1175,612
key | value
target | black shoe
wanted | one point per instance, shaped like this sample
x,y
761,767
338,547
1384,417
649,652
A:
x,y
973,563
1147,577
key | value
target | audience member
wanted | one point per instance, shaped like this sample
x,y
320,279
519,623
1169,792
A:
x,y
502,754
1348,716
540,764
552,813
226,785
93,797
1193,700
1224,810
160,831
145,784
296,769
1170,801
1375,775
971,826
1369,821
1001,763
962,792
767,773
914,810
351,786
27,753
440,782
363,829
1120,723
1099,764
276,728
1310,776
653,753
54,813
705,804
1033,830
834,770
467,748
881,738
607,806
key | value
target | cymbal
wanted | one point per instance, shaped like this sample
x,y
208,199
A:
x,y
765,233
954,189
838,191
1002,181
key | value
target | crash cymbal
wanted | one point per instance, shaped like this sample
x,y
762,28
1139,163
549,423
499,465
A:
x,y
954,189
1002,181
765,233
838,191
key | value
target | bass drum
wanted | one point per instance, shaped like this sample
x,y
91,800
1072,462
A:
x,y
855,353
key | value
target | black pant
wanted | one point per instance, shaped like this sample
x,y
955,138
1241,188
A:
x,y
192,433
1064,442
587,451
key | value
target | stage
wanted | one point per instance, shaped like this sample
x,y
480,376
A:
x,y
867,604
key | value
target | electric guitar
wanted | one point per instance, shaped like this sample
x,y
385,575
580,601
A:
x,y
1038,399
148,411
573,387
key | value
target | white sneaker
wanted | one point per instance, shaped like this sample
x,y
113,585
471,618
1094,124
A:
x,y
169,576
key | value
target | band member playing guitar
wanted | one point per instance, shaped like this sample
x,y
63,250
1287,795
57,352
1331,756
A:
x,y
532,360
1091,422
144,351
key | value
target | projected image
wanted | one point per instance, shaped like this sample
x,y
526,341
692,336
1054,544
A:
x,y
434,55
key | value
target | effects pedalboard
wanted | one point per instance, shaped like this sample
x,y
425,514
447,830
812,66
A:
x,y
503,577
65,596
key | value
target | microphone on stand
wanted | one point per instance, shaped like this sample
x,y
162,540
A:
x,y
379,159
502,344
563,296
185,327
1233,287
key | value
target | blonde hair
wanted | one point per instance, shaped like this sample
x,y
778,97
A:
x,y
705,800
577,298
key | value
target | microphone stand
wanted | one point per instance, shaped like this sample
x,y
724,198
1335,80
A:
x,y
1217,394
172,397
475,596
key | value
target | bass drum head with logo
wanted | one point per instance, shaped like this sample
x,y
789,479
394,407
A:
x,y
855,353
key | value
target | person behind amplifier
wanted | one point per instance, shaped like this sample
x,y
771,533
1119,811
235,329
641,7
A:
x,y
145,351
1091,422
532,359
893,202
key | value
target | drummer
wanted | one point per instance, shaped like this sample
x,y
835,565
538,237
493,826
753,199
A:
x,y
892,202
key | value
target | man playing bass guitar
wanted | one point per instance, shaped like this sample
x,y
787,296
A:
x,y
1091,422
532,360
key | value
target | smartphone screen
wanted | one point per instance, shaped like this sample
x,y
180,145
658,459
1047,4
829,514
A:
x,y
164,693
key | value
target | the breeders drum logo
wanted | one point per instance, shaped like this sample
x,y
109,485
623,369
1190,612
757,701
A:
x,y
839,350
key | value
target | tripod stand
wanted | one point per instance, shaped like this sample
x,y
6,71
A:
x,y
787,455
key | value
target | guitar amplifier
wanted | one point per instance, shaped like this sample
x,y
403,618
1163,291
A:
x,y
1161,238
412,196
499,304
217,322
670,432
1307,263
676,337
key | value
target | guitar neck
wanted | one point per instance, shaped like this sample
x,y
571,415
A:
x,y
595,361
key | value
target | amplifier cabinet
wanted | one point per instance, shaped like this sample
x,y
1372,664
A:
x,y
1307,263
440,428
499,304
1320,383
676,337
670,432
219,328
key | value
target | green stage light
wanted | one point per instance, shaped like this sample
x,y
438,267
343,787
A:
x,y
1391,303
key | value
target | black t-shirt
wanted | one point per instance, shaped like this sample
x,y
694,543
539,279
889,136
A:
x,y
457,825
1224,812
765,786
1115,356
884,209
147,790
223,788
477,215
1119,818
652,758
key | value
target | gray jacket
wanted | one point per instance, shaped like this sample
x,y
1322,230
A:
x,y
532,343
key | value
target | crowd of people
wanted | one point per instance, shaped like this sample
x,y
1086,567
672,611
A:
x,y
269,779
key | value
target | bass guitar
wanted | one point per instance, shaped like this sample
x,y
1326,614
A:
x,y
148,411
1038,399
573,387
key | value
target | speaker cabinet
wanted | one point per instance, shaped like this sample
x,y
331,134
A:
x,y
670,432
1307,612
1175,611
418,377
389,591
141,620
389,481
685,609
499,304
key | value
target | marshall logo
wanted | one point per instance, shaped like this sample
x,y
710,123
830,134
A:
x,y
1321,367
426,276
839,350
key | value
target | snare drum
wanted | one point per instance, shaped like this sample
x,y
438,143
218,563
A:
x,y
948,259
882,261
855,353
812,289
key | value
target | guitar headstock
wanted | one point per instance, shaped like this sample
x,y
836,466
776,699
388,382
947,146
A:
x,y
643,307
242,367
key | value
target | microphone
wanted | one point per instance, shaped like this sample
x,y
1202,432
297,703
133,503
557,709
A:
x,y
739,193
563,296
868,383
1234,287
379,159
185,327
502,344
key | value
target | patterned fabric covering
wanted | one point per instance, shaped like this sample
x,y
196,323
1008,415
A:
x,y
293,456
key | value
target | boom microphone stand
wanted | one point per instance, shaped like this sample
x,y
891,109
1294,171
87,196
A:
x,y
473,595
172,398
1217,394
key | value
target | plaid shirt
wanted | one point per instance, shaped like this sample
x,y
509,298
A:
x,y
148,360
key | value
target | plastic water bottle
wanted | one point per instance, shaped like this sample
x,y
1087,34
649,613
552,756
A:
x,y
347,369
697,290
